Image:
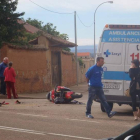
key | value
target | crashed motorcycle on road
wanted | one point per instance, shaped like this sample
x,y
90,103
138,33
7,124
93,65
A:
x,y
61,94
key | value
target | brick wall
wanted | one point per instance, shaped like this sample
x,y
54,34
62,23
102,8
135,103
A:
x,y
68,66
31,69
81,74
69,70
83,69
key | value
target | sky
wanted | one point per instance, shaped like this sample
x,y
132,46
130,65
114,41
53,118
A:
x,y
120,12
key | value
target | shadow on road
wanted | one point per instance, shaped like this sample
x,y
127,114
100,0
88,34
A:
x,y
130,113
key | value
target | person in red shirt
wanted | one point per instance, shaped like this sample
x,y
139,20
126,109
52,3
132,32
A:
x,y
10,75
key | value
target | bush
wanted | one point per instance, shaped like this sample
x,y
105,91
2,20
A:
x,y
80,62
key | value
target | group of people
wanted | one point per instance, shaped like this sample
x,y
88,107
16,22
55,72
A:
x,y
95,86
93,76
7,78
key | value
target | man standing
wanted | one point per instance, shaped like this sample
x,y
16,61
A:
x,y
93,76
3,65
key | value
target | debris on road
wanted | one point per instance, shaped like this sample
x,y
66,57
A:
x,y
17,102
4,103
77,102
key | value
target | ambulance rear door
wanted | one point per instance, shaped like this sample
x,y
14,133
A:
x,y
132,52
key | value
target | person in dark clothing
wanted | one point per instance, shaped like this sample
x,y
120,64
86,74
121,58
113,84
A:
x,y
93,76
134,73
3,65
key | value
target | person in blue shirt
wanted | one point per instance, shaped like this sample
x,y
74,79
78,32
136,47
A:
x,y
3,65
93,76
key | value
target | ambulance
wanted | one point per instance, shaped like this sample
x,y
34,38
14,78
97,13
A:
x,y
119,45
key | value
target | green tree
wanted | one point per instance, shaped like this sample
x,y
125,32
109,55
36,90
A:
x,y
48,28
29,36
67,49
80,61
35,22
64,36
10,29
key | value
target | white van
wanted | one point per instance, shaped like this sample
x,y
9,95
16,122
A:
x,y
119,45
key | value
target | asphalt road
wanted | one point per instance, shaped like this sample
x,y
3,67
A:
x,y
39,119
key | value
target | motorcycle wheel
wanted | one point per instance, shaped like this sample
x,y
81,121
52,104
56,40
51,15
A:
x,y
48,96
76,95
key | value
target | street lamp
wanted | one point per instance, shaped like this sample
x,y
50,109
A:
x,y
94,24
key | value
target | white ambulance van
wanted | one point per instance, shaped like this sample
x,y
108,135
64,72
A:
x,y
119,45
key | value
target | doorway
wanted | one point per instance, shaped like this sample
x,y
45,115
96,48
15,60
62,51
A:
x,y
56,68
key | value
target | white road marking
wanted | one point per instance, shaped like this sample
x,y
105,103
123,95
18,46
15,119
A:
x,y
47,116
62,135
31,115
81,120
66,118
22,130
41,133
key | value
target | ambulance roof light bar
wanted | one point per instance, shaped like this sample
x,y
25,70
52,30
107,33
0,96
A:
x,y
122,26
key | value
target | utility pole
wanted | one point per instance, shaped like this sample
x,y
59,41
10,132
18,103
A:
x,y
76,47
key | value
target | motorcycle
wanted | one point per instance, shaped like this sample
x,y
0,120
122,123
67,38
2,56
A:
x,y
61,94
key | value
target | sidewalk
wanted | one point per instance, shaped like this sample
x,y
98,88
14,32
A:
x,y
81,88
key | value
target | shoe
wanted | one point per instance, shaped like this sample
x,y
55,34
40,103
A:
x,y
135,115
90,116
18,102
112,113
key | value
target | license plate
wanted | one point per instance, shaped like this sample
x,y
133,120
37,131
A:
x,y
111,86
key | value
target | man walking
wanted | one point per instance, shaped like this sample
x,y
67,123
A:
x,y
93,76
3,65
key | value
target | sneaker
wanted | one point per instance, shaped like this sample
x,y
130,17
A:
x,y
90,116
112,113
